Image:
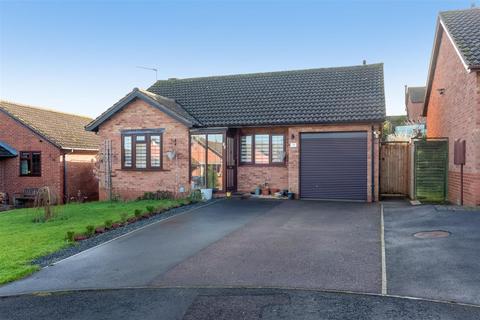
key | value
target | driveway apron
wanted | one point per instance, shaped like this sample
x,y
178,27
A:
x,y
439,268
306,244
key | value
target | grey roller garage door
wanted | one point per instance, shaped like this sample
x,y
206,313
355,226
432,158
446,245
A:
x,y
333,165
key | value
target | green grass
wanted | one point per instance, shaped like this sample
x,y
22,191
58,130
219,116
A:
x,y
22,240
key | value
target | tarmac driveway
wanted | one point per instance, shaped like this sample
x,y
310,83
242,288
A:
x,y
447,268
304,244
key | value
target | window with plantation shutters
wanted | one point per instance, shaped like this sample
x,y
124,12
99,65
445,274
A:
x,y
142,150
262,149
246,149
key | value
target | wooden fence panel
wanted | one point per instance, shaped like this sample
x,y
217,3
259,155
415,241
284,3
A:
x,y
394,168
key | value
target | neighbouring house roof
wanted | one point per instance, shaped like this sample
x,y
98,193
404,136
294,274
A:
x,y
64,130
327,95
416,94
7,151
462,27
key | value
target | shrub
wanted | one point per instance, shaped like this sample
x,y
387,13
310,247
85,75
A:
x,y
123,217
138,213
150,209
70,236
157,195
90,231
108,224
195,196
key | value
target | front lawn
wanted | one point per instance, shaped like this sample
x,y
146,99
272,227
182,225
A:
x,y
22,239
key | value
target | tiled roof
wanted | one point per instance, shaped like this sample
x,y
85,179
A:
x,y
64,130
170,104
327,95
416,94
464,27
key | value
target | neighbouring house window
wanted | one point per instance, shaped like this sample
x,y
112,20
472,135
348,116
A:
x,y
266,149
246,149
30,163
142,151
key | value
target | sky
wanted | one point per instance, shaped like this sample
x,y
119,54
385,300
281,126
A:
x,y
83,56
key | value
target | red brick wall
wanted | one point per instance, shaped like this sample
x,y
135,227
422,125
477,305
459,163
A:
x,y
81,175
23,139
251,176
131,184
138,115
456,114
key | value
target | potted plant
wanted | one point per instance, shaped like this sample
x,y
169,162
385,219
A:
x,y
258,190
265,189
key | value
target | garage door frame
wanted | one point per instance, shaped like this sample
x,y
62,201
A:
x,y
366,132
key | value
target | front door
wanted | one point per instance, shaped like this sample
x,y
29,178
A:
x,y
231,166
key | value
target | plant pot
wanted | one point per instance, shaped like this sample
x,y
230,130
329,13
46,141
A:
x,y
265,192
258,191
291,195
206,194
100,230
79,237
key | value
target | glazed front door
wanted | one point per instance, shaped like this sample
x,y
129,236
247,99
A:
x,y
231,165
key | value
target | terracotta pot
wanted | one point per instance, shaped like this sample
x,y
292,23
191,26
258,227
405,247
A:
x,y
265,192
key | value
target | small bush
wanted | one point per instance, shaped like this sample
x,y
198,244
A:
x,y
90,231
108,224
195,196
150,209
137,213
70,236
157,195
123,217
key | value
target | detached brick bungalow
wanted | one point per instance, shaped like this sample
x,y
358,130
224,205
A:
x,y
452,100
40,147
313,132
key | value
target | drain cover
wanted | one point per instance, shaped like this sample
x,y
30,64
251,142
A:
x,y
431,234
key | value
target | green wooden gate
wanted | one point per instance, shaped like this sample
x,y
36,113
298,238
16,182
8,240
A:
x,y
431,169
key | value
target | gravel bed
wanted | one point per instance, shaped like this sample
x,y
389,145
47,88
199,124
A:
x,y
104,237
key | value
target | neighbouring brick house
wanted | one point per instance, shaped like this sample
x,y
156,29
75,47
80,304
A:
x,y
314,132
452,100
40,147
414,102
